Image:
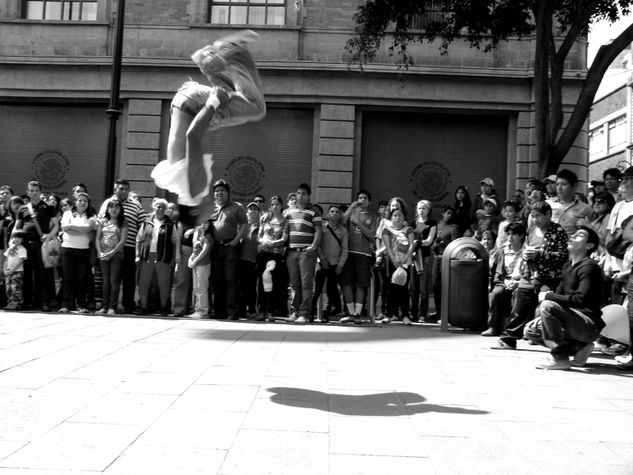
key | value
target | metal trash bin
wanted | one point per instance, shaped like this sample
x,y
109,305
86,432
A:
x,y
464,285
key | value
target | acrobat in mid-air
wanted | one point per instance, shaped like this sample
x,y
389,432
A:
x,y
234,97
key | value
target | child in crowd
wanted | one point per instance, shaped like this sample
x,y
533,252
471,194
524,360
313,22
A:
x,y
487,220
14,271
200,264
510,213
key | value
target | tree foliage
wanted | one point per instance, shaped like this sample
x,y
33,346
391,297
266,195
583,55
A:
x,y
555,25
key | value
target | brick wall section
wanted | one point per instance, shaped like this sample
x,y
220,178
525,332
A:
x,y
335,164
142,145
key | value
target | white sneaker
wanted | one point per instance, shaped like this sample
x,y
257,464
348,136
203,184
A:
x,y
554,364
406,320
301,320
385,320
111,312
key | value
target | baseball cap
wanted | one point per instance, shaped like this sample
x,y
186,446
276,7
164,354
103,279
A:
x,y
550,179
597,183
487,181
252,203
223,183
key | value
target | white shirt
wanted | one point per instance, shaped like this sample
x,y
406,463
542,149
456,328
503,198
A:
x,y
75,241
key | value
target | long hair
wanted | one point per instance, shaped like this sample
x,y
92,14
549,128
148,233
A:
x,y
120,219
90,212
403,206
467,203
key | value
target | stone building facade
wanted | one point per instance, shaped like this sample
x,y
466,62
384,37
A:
x,y
419,133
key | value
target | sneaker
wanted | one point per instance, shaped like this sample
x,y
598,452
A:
x,y
624,358
385,320
63,310
101,311
198,316
490,332
552,363
292,317
616,349
301,320
581,356
111,312
625,365
502,345
406,320
82,311
347,319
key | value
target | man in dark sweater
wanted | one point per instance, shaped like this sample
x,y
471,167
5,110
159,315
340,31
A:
x,y
571,316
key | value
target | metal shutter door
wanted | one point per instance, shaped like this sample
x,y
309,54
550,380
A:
x,y
57,145
270,157
426,156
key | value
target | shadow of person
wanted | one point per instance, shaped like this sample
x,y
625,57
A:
x,y
380,404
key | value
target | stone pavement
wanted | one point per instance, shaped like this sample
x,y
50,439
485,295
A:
x,y
121,395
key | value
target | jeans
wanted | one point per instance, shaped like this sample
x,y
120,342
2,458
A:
x,y
248,287
76,264
224,279
129,278
330,277
111,275
301,265
422,287
163,277
499,307
181,299
39,287
525,300
565,331
201,288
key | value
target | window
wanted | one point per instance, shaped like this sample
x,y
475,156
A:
x,y
70,10
597,142
617,133
248,12
433,12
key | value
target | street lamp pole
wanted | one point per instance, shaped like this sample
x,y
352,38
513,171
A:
x,y
114,109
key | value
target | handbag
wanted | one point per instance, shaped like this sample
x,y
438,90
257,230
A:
x,y
616,245
51,253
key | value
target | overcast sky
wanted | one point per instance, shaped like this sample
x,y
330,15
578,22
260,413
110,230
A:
x,y
602,32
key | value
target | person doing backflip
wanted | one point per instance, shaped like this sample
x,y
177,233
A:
x,y
234,97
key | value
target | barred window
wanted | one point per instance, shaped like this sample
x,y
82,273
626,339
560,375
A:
x,y
69,10
247,12
433,12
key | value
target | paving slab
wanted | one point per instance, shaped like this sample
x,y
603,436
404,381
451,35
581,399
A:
x,y
131,395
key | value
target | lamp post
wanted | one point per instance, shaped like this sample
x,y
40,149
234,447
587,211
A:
x,y
114,109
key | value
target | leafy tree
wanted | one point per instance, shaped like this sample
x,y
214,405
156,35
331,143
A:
x,y
555,24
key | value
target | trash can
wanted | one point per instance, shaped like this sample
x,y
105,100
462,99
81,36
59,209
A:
x,y
464,285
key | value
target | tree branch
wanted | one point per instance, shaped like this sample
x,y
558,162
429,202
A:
x,y
605,56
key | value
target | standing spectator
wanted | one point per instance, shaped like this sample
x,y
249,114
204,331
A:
x,y
182,277
77,226
13,268
227,225
462,210
550,186
304,238
247,270
200,264
111,238
39,223
333,254
134,216
356,276
486,192
380,276
567,210
425,230
398,239
6,193
611,178
157,243
273,239
446,232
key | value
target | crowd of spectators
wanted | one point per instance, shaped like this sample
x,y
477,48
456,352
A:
x,y
270,260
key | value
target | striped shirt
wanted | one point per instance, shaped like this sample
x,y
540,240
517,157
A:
x,y
134,215
303,225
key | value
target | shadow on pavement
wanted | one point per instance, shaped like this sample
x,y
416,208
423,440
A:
x,y
320,333
380,404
